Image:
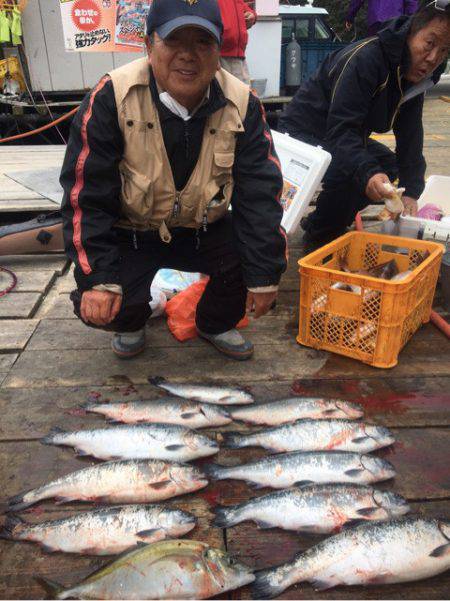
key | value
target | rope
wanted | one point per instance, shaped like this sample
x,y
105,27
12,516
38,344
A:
x,y
40,129
13,277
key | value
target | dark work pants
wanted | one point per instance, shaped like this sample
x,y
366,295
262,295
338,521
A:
x,y
212,252
340,200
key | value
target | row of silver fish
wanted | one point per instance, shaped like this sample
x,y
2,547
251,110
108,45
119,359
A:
x,y
104,531
201,414
320,509
315,435
145,441
129,481
401,550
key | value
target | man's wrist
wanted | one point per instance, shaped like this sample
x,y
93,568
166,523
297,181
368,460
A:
x,y
114,288
263,289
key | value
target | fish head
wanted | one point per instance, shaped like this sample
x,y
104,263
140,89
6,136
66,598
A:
x,y
383,436
225,570
393,504
241,397
197,441
380,468
444,527
212,414
182,521
187,477
350,410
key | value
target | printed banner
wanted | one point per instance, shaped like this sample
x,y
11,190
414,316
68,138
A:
x,y
104,25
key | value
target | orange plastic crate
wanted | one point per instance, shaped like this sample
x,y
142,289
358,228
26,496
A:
x,y
375,323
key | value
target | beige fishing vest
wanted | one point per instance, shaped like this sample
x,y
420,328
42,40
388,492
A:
x,y
149,198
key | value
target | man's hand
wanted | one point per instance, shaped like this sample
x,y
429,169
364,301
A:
x,y
348,25
260,302
250,19
100,308
375,189
410,205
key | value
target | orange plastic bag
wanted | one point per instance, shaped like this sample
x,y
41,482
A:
x,y
181,311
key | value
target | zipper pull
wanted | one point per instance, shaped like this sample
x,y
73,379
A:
x,y
135,244
205,221
176,205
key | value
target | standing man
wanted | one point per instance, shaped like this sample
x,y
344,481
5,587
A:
x,y
237,17
380,11
373,85
158,151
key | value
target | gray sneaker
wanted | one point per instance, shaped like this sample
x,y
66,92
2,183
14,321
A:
x,y
230,343
128,344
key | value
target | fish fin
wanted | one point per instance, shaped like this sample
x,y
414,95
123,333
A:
x,y
190,414
379,578
149,534
11,522
17,503
53,432
156,380
61,500
368,511
302,483
321,585
360,439
263,525
174,447
159,485
355,472
329,411
262,587
224,517
233,440
440,551
352,523
52,588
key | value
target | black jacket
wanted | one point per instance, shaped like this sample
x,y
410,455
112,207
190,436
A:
x,y
92,160
357,91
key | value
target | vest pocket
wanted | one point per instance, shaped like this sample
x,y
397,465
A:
x,y
137,194
223,163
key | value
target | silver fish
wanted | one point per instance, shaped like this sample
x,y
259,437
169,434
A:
x,y
206,394
289,469
172,569
401,550
149,441
105,531
117,482
175,411
321,509
284,411
315,435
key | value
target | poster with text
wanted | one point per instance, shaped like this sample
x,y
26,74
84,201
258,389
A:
x,y
104,25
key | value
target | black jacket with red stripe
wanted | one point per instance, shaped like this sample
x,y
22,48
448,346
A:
x,y
91,182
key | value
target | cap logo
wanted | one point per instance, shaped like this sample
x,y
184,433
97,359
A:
x,y
190,2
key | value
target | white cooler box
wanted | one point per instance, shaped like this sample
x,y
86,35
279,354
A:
x,y
437,191
303,168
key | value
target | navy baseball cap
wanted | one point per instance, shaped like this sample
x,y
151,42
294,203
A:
x,y
167,15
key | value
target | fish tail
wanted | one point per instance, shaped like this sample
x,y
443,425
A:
x,y
234,440
52,588
11,522
49,439
225,516
18,502
156,380
265,585
214,471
